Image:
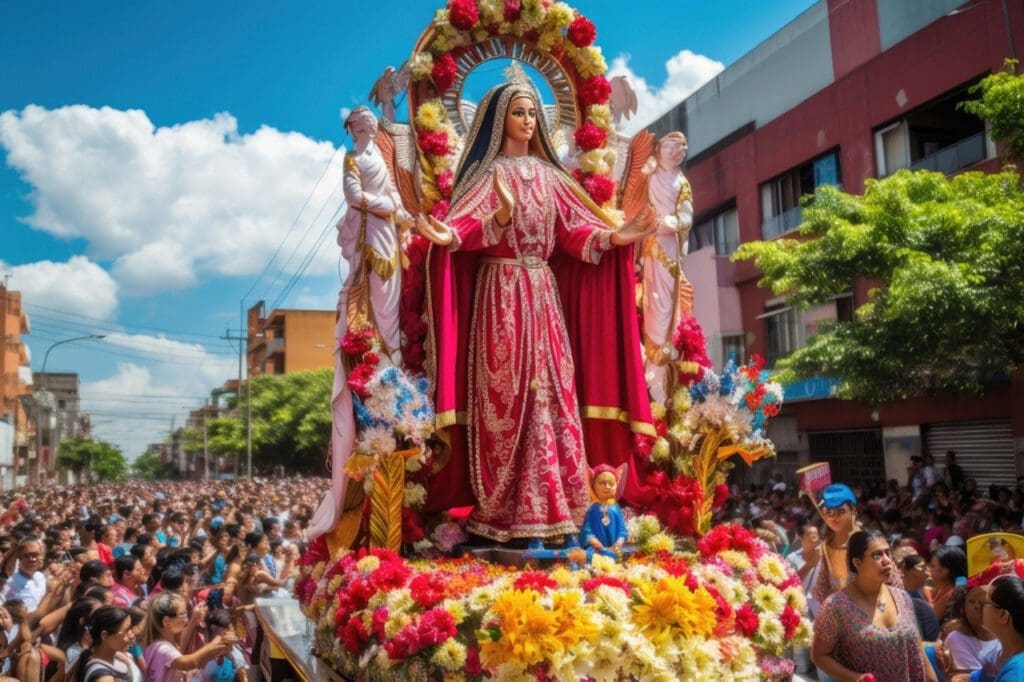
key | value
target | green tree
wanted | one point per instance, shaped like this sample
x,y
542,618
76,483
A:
x,y
1002,105
149,466
291,422
948,311
94,458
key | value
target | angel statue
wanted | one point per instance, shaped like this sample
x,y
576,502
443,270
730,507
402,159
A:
x,y
368,235
667,293
527,282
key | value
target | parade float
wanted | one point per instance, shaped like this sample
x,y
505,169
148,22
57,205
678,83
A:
x,y
517,360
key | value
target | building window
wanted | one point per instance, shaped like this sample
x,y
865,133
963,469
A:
x,y
780,198
732,345
936,136
783,329
721,228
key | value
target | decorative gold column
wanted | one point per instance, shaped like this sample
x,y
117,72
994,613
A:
x,y
387,498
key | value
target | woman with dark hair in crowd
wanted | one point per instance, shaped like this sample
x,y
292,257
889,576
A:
x,y
968,644
73,637
947,564
869,627
915,573
1003,615
110,630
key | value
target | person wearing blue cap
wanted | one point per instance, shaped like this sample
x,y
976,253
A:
x,y
838,509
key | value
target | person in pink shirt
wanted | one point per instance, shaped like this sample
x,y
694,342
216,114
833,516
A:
x,y
166,621
128,575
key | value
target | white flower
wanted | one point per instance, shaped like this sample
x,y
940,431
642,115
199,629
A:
x,y
770,569
771,632
768,599
377,440
414,495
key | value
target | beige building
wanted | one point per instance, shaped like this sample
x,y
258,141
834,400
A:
x,y
284,340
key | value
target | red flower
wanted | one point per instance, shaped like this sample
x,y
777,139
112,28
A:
x,y
720,496
593,583
380,619
790,620
359,378
747,620
463,13
436,626
428,589
534,580
595,90
371,358
440,209
443,71
660,427
513,8
435,142
588,136
581,32
473,666
600,188
316,552
412,531
445,183
354,635
643,443
771,410
355,343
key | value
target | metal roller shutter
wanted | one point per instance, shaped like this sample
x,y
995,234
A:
x,y
984,449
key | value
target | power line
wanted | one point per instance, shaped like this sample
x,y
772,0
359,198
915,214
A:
x,y
107,324
309,258
295,222
155,342
161,358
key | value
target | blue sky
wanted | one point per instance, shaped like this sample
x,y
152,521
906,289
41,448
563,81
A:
x,y
155,155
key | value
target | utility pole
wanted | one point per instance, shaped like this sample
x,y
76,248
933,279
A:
x,y
248,439
206,451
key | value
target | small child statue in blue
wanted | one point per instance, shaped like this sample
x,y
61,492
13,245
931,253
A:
x,y
604,528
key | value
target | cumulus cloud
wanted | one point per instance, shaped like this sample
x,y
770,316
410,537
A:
x,y
685,72
168,205
75,285
134,406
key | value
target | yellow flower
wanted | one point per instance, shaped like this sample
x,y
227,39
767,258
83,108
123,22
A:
x,y
575,621
738,560
795,598
661,450
564,577
456,609
525,631
660,542
767,599
771,632
420,65
450,655
667,609
602,564
657,410
600,161
589,61
681,400
771,570
601,116
491,11
368,564
560,15
430,115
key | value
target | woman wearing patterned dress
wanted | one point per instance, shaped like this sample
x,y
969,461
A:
x,y
514,208
868,627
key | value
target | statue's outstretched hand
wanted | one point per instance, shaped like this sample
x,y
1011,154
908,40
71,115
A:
x,y
643,225
434,230
505,197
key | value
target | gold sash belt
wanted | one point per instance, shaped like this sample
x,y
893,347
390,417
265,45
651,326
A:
x,y
524,262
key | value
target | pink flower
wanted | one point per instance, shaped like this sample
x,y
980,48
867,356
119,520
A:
x,y
513,8
435,142
445,183
747,621
463,14
440,209
581,32
600,188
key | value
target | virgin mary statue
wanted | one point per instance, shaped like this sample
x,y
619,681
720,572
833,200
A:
x,y
537,357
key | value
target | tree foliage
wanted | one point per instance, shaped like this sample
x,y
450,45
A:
x,y
948,311
291,422
97,459
1002,105
149,466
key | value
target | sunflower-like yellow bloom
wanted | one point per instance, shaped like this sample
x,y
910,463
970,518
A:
x,y
667,610
526,632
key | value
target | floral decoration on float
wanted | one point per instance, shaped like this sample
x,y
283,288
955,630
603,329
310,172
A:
x,y
724,608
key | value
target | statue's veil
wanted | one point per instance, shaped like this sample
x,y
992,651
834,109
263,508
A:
x,y
485,137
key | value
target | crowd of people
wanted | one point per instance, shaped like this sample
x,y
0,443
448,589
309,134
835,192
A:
x,y
144,581
885,569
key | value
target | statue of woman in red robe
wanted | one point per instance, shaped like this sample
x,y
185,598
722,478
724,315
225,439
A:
x,y
506,342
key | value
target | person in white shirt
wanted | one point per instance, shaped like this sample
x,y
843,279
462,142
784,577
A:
x,y
28,583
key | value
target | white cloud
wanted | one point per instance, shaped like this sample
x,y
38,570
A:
x,y
686,71
77,285
136,404
169,205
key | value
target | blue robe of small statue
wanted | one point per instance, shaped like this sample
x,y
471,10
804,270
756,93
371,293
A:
x,y
604,522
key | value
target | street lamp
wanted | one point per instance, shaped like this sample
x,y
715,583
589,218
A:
x,y
46,356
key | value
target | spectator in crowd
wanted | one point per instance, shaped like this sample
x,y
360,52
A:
x,y
914,571
946,566
953,475
73,638
968,644
106,659
167,622
867,627
838,507
1003,616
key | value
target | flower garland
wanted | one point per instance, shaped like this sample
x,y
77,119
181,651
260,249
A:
x,y
554,27
725,611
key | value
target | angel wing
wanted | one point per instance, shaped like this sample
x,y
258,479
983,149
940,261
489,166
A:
x,y
633,181
623,99
398,148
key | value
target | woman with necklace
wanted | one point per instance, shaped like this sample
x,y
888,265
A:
x,y
868,627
